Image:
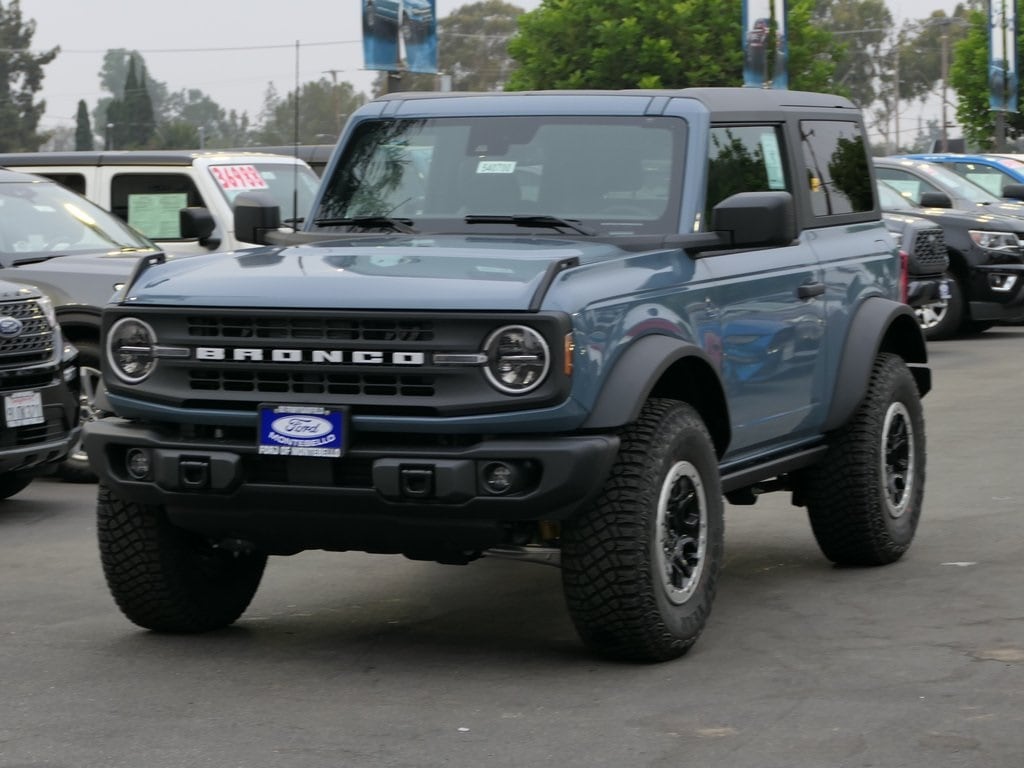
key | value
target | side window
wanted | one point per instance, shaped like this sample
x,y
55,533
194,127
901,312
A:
x,y
73,181
991,179
743,158
907,184
150,202
836,159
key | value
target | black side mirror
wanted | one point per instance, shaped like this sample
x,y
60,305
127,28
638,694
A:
x,y
755,219
935,200
198,222
256,214
1014,191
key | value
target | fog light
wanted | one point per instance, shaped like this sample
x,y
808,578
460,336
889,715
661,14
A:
x,y
137,462
1001,282
499,478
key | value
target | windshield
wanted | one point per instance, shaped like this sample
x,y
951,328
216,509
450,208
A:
x,y
45,219
944,179
607,175
889,199
293,187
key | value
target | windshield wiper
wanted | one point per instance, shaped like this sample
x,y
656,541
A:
x,y
530,220
370,222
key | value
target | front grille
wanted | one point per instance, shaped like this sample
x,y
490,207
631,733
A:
x,y
294,382
310,329
930,254
34,344
371,362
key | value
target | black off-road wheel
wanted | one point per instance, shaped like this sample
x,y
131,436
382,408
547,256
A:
x,y
167,579
14,482
75,468
640,566
864,499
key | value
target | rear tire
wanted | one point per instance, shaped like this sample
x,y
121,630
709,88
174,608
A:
x,y
165,578
864,498
640,565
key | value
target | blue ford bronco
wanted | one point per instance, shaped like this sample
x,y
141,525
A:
x,y
563,326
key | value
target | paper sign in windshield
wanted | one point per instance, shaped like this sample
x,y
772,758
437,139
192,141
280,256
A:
x,y
238,177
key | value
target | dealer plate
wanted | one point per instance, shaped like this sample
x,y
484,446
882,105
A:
x,y
23,408
303,430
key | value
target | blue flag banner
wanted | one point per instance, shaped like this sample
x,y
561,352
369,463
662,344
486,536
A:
x,y
1002,60
765,44
391,27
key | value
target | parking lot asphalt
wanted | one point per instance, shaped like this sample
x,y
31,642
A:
x,y
360,660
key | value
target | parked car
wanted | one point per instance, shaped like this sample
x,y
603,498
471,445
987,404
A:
x,y
985,277
39,388
76,254
183,200
922,243
933,185
1002,175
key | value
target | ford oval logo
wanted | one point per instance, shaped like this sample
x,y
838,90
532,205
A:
x,y
305,427
10,327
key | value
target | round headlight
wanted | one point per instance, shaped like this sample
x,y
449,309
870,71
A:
x,y
130,349
518,359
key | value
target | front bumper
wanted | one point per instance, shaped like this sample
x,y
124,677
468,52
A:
x,y
997,293
386,490
34,447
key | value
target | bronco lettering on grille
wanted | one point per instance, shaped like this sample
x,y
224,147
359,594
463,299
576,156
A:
x,y
328,356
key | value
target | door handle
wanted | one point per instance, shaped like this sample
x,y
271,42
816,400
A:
x,y
810,290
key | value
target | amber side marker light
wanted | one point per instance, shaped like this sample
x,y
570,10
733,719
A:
x,y
570,347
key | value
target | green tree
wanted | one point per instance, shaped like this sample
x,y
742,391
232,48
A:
x,y
861,28
84,139
968,76
113,75
130,120
655,44
21,78
323,107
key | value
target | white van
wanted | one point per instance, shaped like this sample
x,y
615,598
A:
x,y
180,199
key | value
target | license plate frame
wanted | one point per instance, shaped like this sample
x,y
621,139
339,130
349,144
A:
x,y
24,408
311,431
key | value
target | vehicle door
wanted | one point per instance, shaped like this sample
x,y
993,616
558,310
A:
x,y
150,200
858,255
763,311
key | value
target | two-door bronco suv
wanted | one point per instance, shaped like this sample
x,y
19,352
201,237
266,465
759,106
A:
x,y
548,324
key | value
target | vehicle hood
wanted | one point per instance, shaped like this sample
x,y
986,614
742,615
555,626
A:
x,y
972,219
450,272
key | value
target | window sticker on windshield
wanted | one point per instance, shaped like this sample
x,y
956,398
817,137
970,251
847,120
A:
x,y
496,166
238,177
773,161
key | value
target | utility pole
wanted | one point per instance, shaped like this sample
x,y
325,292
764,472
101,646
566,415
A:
x,y
945,78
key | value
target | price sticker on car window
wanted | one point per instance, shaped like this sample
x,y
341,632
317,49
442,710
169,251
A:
x,y
238,178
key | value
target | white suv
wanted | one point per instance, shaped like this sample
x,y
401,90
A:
x,y
180,199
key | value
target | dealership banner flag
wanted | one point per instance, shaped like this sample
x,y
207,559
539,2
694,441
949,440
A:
x,y
392,28
1002,60
765,44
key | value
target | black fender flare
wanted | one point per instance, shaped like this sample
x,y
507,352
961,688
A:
x,y
662,366
880,325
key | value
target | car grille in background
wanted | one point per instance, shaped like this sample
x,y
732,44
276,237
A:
x,y
930,254
35,342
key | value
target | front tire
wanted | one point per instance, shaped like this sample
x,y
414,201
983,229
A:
x,y
640,565
165,578
864,498
943,318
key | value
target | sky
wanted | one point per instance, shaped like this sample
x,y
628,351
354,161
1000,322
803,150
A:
x,y
229,49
